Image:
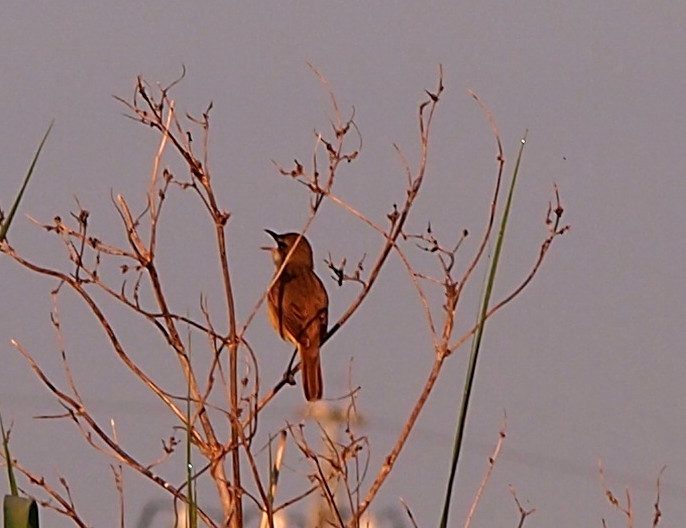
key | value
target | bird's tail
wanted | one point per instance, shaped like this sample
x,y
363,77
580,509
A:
x,y
311,374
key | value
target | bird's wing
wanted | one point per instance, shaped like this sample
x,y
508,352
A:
x,y
304,317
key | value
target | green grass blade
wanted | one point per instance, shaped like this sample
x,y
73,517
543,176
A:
x,y
20,512
8,459
476,343
191,511
6,225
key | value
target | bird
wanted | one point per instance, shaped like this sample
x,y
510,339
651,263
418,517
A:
x,y
298,306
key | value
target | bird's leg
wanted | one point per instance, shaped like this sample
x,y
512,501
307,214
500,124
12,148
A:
x,y
289,375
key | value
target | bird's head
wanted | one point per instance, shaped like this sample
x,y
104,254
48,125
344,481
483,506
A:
x,y
302,254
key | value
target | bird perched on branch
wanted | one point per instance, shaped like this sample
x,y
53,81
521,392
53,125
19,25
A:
x,y
298,306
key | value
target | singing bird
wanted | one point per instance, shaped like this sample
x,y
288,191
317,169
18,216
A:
x,y
298,306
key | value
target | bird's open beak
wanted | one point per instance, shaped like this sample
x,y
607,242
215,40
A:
x,y
275,236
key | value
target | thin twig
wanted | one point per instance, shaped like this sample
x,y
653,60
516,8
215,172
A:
x,y
487,475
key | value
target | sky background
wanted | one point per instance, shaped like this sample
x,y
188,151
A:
x,y
588,363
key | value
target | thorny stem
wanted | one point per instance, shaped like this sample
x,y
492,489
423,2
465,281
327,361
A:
x,y
230,494
395,231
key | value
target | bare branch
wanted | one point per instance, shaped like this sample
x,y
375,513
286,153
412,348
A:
x,y
523,514
487,475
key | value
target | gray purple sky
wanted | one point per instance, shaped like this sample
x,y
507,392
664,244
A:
x,y
588,363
